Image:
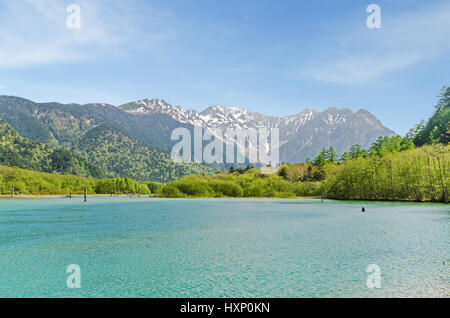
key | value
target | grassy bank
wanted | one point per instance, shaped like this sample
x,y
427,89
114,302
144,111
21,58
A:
x,y
27,182
33,182
249,184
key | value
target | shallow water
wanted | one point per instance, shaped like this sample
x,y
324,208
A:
x,y
222,248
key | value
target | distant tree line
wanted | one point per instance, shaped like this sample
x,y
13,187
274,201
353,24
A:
x,y
34,182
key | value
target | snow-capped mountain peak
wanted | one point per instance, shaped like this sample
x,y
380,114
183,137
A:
x,y
301,135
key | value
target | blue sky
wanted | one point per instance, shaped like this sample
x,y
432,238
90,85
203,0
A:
x,y
274,57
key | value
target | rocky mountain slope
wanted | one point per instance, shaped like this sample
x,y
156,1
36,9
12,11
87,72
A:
x,y
301,135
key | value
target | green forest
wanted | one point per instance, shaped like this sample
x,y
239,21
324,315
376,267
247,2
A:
x,y
17,151
120,155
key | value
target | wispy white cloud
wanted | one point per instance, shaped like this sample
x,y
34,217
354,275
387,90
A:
x,y
34,32
403,41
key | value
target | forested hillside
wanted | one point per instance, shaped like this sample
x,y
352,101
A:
x,y
24,153
119,154
63,125
437,128
114,140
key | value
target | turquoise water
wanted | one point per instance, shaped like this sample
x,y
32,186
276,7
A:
x,y
222,248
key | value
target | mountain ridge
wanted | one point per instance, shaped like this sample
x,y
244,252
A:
x,y
292,127
302,135
157,105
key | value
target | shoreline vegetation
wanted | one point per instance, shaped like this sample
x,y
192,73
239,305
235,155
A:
x,y
416,175
414,168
